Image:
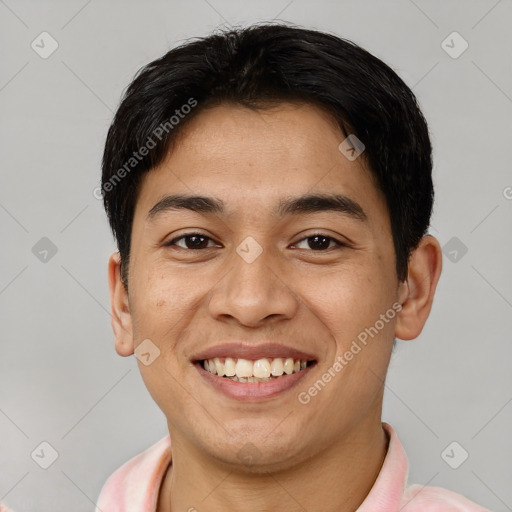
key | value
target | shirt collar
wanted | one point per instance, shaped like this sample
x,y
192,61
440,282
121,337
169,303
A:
x,y
388,489
136,485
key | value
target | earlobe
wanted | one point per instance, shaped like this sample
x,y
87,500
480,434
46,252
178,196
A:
x,y
416,294
119,308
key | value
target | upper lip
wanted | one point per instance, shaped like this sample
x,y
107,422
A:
x,y
249,350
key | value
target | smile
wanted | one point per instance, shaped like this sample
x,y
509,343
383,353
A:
x,y
237,378
248,371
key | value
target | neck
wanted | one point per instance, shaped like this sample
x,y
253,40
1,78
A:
x,y
333,480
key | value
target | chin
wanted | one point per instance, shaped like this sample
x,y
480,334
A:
x,y
258,450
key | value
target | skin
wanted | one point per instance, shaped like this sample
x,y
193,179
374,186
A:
x,y
185,300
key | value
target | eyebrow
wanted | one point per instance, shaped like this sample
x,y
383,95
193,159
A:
x,y
310,203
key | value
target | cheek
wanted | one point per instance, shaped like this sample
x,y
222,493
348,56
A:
x,y
163,308
169,307
369,315
162,293
356,310
351,299
158,303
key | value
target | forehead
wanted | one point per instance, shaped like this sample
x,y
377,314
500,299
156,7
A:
x,y
251,159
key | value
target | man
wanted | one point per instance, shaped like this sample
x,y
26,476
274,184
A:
x,y
270,192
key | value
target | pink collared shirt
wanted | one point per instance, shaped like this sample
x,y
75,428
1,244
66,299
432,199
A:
x,y
134,487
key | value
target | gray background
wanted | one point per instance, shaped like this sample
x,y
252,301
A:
x,y
61,380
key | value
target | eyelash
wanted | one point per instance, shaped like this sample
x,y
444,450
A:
x,y
323,235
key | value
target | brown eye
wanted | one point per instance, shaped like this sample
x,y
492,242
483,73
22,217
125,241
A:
x,y
319,242
192,241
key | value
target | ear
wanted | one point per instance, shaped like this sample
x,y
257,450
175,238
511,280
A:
x,y
416,293
121,318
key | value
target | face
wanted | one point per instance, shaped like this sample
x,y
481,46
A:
x,y
259,272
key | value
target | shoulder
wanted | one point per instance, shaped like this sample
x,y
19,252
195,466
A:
x,y
435,499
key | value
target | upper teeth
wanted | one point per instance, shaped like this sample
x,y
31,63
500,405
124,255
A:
x,y
261,368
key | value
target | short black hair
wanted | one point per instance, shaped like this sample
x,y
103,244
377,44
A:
x,y
257,67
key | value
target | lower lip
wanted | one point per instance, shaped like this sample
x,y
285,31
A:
x,y
253,391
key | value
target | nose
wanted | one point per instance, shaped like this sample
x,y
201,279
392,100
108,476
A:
x,y
252,293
